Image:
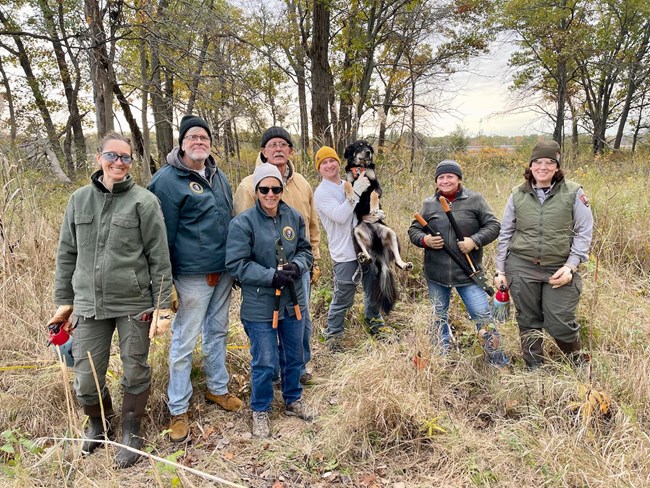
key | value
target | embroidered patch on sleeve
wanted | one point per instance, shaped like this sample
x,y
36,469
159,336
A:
x,y
584,200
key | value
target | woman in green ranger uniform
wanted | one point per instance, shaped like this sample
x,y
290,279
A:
x,y
545,235
113,270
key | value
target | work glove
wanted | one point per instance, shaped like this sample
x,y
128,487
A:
x,y
361,185
315,274
174,305
61,316
161,319
467,245
281,278
292,268
434,242
500,280
561,277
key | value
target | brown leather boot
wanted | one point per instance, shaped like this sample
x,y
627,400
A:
x,y
133,407
95,430
531,347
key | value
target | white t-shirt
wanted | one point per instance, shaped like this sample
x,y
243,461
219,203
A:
x,y
336,213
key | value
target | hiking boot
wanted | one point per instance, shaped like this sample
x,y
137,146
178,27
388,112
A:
x,y
383,333
261,425
334,344
305,378
179,427
300,410
227,401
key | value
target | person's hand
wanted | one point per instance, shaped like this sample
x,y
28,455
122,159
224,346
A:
x,y
561,277
315,274
467,245
374,216
61,315
174,304
500,280
434,242
281,278
361,185
161,319
292,268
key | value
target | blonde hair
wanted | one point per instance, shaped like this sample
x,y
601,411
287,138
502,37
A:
x,y
113,136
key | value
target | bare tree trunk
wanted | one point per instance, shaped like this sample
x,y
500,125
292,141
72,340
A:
x,y
321,78
10,104
74,120
35,88
161,96
632,84
147,163
196,78
102,90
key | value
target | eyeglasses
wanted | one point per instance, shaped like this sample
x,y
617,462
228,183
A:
x,y
537,164
275,145
195,138
111,157
265,189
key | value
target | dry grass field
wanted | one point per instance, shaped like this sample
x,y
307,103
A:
x,y
383,422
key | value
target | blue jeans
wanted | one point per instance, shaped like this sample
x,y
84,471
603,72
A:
x,y
477,304
346,277
266,344
201,309
306,347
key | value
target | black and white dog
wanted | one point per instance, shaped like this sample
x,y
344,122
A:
x,y
374,241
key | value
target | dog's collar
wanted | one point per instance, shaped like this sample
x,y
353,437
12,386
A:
x,y
356,171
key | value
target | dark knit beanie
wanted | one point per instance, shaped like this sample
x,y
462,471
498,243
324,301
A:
x,y
546,149
273,132
189,121
449,166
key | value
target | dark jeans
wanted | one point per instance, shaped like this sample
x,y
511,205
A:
x,y
265,352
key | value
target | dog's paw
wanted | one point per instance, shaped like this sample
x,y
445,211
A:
x,y
363,258
407,266
349,192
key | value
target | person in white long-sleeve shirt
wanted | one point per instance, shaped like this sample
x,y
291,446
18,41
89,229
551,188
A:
x,y
336,213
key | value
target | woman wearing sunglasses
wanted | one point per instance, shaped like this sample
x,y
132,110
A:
x,y
259,239
113,269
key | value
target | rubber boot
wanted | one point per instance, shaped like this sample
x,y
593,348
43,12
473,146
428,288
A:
x,y
531,347
573,352
95,430
132,412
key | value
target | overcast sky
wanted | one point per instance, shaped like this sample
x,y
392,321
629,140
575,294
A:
x,y
483,96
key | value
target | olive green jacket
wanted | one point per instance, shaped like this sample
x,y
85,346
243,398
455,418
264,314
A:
x,y
113,258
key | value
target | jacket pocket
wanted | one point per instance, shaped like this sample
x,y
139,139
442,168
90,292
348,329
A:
x,y
83,226
125,232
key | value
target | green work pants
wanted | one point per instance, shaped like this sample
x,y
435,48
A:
x,y
95,336
538,304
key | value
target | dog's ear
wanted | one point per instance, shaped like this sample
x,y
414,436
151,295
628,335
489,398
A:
x,y
348,151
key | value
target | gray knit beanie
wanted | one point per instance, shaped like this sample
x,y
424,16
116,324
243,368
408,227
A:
x,y
449,166
273,132
264,171
189,121
546,149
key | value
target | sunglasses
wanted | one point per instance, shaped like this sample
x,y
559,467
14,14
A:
x,y
111,157
265,189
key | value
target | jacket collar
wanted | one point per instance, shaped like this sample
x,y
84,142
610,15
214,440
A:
x,y
118,186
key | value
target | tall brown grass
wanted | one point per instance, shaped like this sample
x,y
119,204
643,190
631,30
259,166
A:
x,y
382,420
